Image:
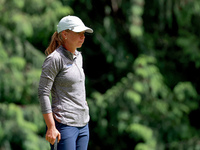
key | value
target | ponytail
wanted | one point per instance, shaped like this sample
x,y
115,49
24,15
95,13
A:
x,y
56,41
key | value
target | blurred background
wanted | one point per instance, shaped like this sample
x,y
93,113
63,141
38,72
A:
x,y
142,66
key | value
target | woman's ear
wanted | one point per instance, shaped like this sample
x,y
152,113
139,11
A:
x,y
64,34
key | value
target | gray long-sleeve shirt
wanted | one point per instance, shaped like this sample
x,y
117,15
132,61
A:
x,y
63,76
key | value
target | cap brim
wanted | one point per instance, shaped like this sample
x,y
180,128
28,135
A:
x,y
82,28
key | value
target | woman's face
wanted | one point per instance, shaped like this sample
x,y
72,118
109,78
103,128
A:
x,y
74,39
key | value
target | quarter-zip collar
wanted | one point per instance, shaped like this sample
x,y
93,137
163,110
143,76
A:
x,y
68,54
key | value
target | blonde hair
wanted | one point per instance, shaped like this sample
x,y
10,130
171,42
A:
x,y
56,41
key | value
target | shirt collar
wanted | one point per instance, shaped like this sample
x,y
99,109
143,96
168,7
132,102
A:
x,y
68,54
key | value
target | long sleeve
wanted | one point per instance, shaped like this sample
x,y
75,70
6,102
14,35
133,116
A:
x,y
50,69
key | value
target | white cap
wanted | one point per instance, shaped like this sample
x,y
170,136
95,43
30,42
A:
x,y
72,23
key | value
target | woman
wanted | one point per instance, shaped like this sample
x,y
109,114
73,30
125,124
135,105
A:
x,y
62,76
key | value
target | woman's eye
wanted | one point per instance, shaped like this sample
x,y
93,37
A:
x,y
81,33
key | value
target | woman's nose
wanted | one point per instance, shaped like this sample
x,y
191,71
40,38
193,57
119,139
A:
x,y
82,36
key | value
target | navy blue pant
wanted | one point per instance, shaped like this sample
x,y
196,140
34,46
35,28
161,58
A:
x,y
72,138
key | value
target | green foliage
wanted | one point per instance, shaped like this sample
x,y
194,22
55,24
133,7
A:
x,y
136,27
173,38
143,109
22,24
32,113
18,132
134,96
190,45
185,91
141,132
20,61
142,89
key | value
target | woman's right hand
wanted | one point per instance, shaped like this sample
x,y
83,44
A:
x,y
51,135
